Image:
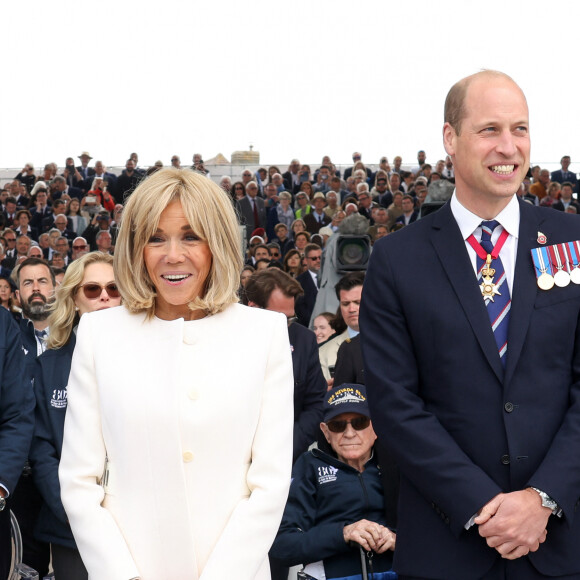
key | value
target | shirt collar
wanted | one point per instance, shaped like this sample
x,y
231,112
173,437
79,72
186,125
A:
x,y
468,222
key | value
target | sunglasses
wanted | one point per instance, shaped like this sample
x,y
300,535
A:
x,y
93,290
83,247
358,424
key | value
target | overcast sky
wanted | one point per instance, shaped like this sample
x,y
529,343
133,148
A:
x,y
295,79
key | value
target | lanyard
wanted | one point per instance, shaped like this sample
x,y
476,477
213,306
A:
x,y
496,249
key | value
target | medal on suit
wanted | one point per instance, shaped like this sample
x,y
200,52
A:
x,y
543,267
487,287
573,254
560,265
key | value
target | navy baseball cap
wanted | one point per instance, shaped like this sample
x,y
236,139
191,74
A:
x,y
346,398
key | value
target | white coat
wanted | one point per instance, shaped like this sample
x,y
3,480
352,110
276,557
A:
x,y
198,472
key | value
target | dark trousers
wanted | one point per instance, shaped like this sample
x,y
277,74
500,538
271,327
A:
x,y
67,564
5,543
277,570
520,569
26,503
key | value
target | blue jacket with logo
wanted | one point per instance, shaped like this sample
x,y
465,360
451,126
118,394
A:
x,y
326,495
50,381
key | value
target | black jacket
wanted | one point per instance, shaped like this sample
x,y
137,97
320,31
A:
x,y
326,495
50,381
309,387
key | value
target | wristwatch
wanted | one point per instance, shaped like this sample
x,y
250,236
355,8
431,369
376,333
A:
x,y
2,503
548,502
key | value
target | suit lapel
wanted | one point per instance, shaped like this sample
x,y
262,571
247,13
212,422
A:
x,y
524,287
450,248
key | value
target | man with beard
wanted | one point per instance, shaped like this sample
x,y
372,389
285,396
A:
x,y
36,285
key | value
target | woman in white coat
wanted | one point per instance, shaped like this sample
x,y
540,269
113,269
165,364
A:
x,y
178,436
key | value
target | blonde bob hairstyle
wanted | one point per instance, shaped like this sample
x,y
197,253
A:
x,y
210,213
64,316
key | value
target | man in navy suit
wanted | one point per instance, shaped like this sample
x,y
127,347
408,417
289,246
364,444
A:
x,y
563,174
309,282
484,428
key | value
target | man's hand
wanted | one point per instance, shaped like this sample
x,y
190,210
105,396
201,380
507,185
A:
x,y
514,523
370,535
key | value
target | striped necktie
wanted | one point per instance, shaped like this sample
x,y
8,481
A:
x,y
498,309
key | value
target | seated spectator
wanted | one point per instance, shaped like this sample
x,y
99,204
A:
x,y
22,225
100,190
104,242
300,241
7,297
302,206
297,226
317,218
336,504
73,212
292,263
323,327
566,201
280,213
395,209
238,190
331,204
258,251
275,253
282,239
247,271
262,264
27,177
80,247
552,195
410,214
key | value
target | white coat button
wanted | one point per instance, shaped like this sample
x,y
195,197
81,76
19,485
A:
x,y
193,394
187,456
188,338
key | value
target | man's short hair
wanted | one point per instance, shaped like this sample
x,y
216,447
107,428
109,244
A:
x,y
349,281
565,184
34,262
280,225
260,286
59,179
311,248
454,111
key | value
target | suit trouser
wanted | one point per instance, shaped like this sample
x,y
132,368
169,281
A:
x,y
520,569
26,504
67,564
5,543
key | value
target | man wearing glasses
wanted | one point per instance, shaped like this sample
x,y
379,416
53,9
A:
x,y
310,282
79,248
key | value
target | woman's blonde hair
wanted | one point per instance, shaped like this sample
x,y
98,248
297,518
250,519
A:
x,y
64,314
209,212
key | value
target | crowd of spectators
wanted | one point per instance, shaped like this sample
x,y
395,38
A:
x,y
288,218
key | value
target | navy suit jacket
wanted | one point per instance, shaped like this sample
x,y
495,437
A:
x,y
559,177
305,304
309,387
460,428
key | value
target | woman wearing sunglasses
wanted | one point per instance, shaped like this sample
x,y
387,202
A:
x,y
88,285
336,501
